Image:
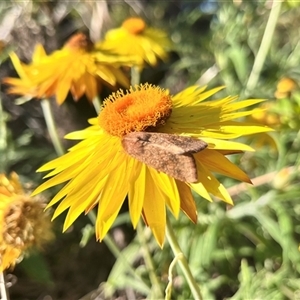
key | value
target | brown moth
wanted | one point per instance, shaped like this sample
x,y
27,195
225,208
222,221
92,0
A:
x,y
168,153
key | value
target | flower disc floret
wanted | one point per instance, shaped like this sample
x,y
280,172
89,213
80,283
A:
x,y
142,108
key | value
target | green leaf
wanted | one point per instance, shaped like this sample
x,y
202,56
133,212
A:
x,y
36,267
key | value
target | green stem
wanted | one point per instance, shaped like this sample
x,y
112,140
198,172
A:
x,y
157,292
170,276
3,140
97,104
111,245
135,76
182,261
3,289
264,47
46,107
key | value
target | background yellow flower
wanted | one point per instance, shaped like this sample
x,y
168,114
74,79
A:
x,y
22,221
231,249
77,68
135,39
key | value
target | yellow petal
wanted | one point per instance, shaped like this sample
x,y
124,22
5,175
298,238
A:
x,y
91,87
169,188
38,54
242,104
79,202
116,189
187,202
200,189
120,77
103,227
63,87
18,65
216,162
86,133
78,88
189,92
136,195
212,185
61,193
154,209
93,121
9,258
104,73
193,95
218,144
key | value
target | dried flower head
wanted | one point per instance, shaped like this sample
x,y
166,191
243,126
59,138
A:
x,y
23,222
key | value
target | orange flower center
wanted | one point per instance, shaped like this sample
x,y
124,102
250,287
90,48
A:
x,y
2,45
134,25
140,109
79,41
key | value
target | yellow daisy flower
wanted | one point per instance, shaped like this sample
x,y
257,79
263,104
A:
x,y
77,68
135,39
154,148
22,221
285,87
265,114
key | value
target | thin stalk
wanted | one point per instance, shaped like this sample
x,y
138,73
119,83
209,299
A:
x,y
111,245
3,290
46,107
97,104
183,262
168,290
157,292
264,47
236,190
3,140
135,76
114,249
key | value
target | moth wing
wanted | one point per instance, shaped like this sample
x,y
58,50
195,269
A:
x,y
175,144
134,143
181,167
178,144
159,153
